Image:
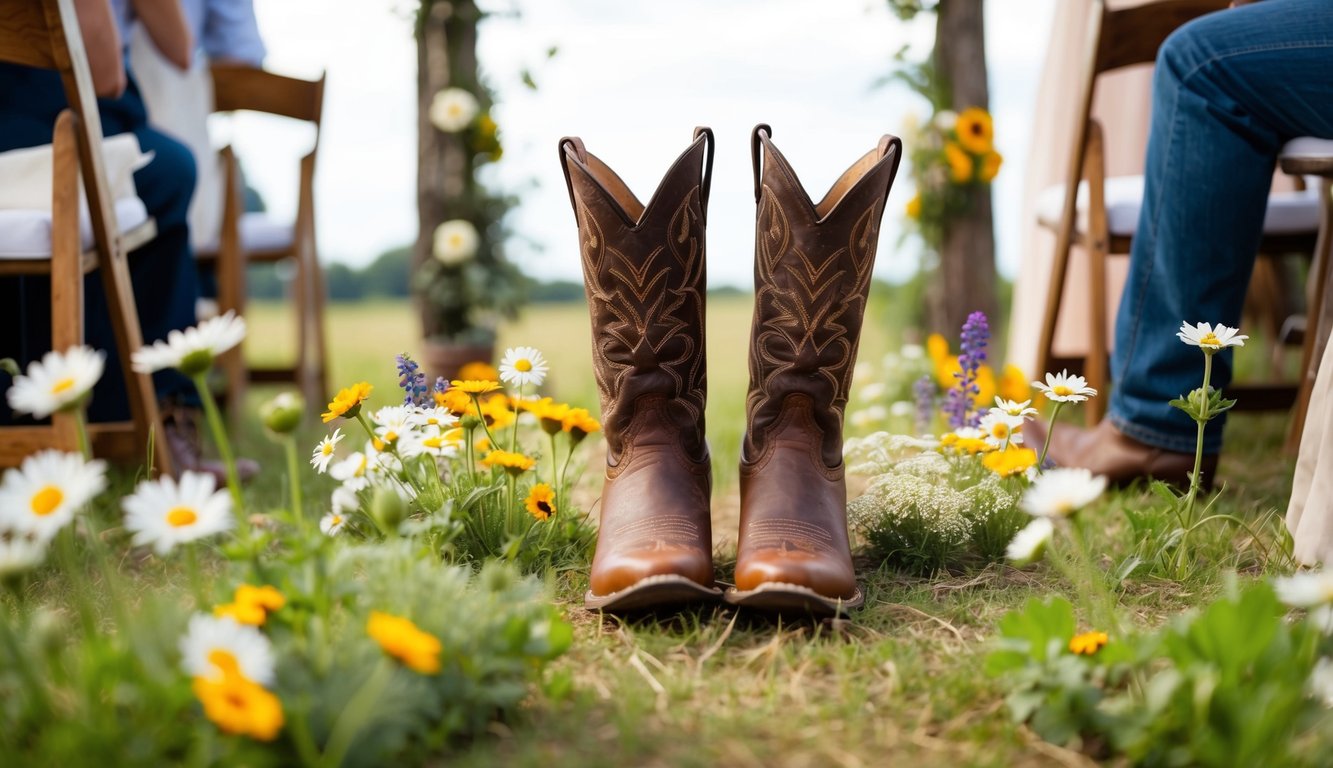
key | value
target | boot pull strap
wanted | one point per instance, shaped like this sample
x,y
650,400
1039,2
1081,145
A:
x,y
889,143
755,156
582,154
710,145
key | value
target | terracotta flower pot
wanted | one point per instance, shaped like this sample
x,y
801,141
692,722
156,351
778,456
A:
x,y
442,358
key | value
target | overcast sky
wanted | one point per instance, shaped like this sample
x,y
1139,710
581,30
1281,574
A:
x,y
632,79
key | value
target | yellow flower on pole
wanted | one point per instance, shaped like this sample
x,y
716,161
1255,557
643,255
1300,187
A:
x,y
960,163
347,403
976,131
990,166
404,641
541,502
914,207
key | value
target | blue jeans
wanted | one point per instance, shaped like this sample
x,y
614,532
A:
x,y
1228,91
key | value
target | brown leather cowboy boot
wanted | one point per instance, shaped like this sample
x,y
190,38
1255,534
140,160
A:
x,y
812,275
643,269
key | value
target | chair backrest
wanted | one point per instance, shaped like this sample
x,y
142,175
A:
x,y
45,34
242,88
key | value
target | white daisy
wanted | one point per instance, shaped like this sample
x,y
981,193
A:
x,y
19,554
215,647
1064,388
456,242
393,422
1210,338
431,441
43,494
1305,590
345,501
1029,544
164,513
57,382
523,365
1062,492
1001,429
323,452
192,351
435,416
1321,682
351,471
1014,408
453,109
332,523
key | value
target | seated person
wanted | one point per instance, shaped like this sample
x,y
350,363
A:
x,y
1229,90
162,272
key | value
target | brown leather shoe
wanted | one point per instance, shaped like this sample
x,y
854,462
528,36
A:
x,y
643,269
812,275
1105,450
180,426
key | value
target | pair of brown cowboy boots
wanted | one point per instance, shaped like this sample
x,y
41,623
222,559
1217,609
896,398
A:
x,y
643,268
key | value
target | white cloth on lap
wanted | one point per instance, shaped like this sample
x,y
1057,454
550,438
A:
x,y
1310,512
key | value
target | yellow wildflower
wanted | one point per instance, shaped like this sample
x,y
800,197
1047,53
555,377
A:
x,y
475,386
541,502
579,424
513,463
1013,384
252,605
960,163
1013,461
478,370
914,207
240,706
976,131
990,166
347,403
937,347
496,411
457,401
403,640
1088,643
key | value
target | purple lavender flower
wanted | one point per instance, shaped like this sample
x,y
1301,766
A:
x,y
412,380
924,392
441,384
960,400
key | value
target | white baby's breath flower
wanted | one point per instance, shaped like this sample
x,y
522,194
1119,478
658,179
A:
x,y
1029,544
57,382
1305,590
523,365
1210,338
164,513
453,109
332,523
945,120
323,452
902,409
1001,429
1063,388
1014,408
193,350
456,241
19,554
1062,492
214,647
912,352
875,390
44,493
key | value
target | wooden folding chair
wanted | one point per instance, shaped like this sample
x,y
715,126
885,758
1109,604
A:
x,y
256,237
45,33
1313,157
1099,213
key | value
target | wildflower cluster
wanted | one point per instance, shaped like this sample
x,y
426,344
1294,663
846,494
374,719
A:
x,y
953,153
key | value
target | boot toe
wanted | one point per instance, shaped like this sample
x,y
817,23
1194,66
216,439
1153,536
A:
x,y
620,571
803,569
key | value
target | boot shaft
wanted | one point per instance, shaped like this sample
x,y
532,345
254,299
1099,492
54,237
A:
x,y
644,275
813,265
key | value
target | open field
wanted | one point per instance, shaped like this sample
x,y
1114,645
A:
x,y
901,684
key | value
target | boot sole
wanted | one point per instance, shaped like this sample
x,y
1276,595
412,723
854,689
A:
x,y
778,597
652,592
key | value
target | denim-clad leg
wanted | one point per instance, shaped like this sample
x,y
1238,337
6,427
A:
x,y
1228,91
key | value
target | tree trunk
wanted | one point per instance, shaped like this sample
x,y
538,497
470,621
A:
x,y
965,280
446,55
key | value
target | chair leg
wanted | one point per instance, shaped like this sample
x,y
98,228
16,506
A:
x,y
320,384
230,268
66,271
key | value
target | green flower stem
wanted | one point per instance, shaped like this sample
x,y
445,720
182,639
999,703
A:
x,y
1050,430
220,438
356,714
1202,421
555,469
476,403
470,435
1101,597
513,437
564,471
370,431
81,428
294,477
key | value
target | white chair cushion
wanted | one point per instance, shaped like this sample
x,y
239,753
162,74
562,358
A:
x,y
260,232
1288,213
1308,146
26,234
28,173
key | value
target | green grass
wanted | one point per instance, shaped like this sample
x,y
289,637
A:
x,y
902,683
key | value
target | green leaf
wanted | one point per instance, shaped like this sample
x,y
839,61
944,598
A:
x,y
1035,632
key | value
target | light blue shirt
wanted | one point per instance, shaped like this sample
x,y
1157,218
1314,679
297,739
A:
x,y
222,29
